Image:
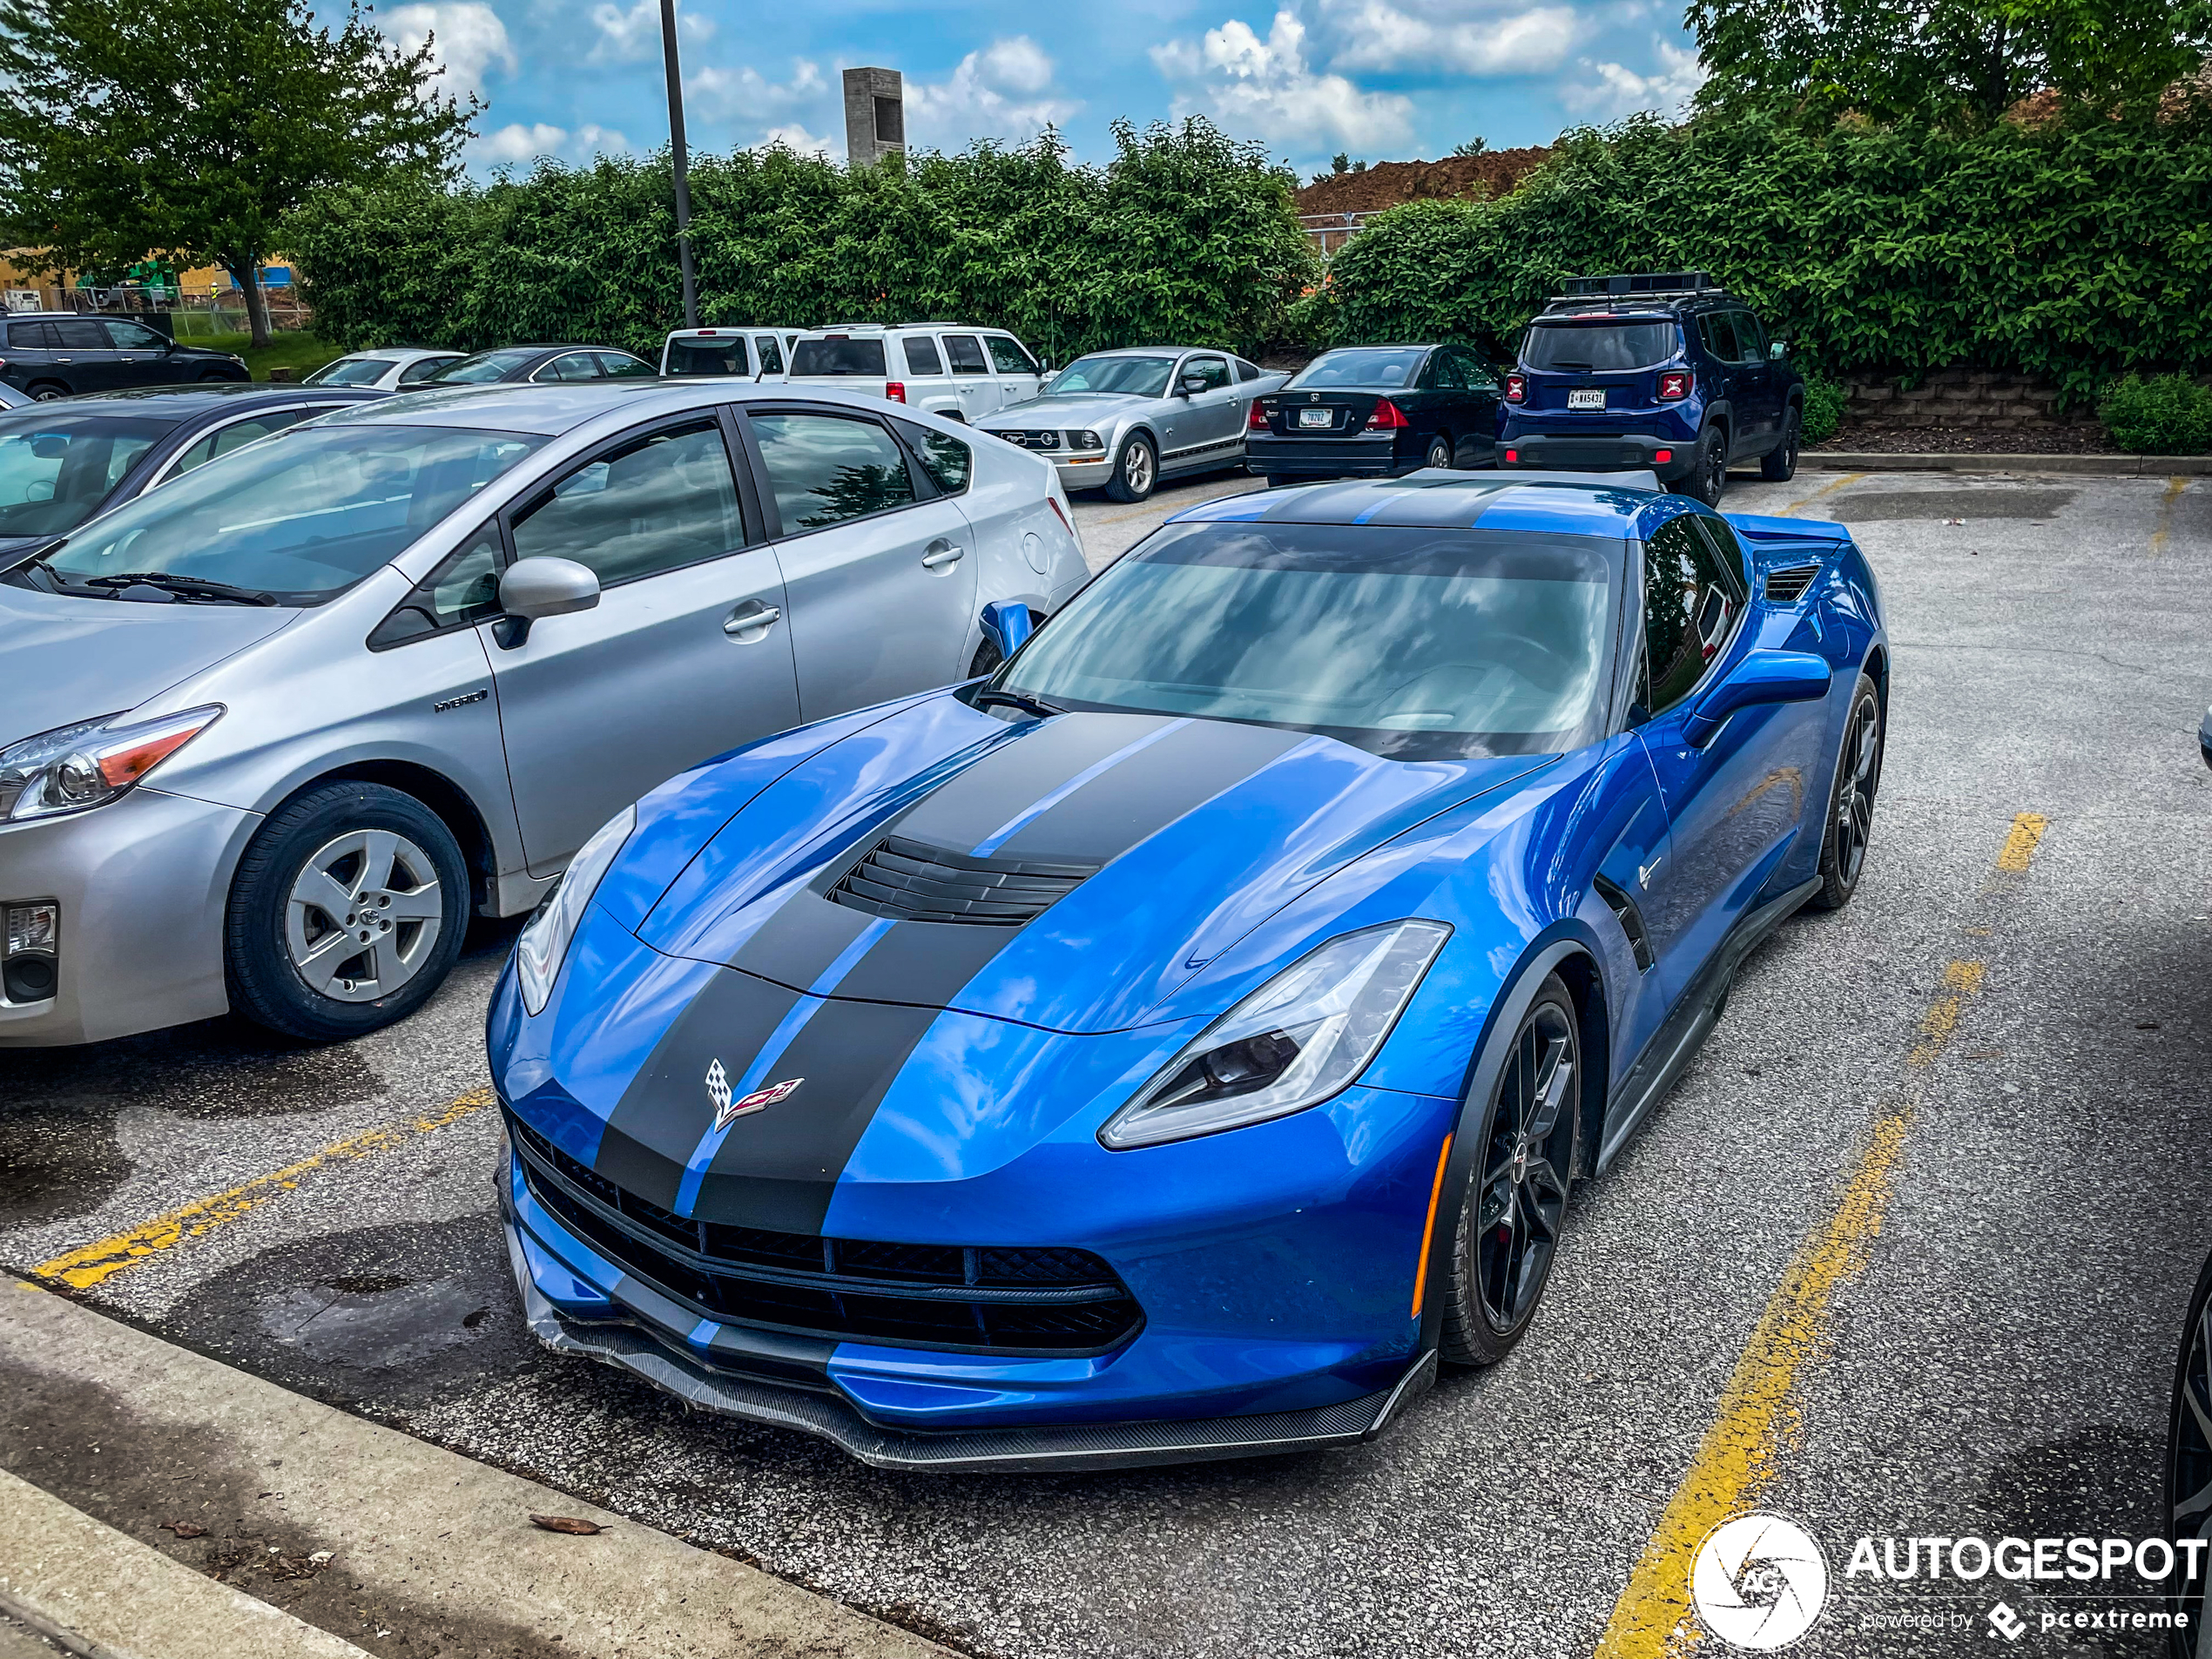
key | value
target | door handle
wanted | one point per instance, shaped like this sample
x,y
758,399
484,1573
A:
x,y
939,554
752,618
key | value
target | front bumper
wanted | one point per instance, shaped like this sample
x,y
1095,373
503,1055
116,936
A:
x,y
1354,457
142,883
1599,452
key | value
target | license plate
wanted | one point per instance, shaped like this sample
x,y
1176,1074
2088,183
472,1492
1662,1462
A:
x,y
1592,399
1317,417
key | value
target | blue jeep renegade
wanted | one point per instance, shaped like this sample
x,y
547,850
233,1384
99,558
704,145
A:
x,y
1662,371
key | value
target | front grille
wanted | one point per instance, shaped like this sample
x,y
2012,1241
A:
x,y
1041,440
975,1298
1787,587
914,882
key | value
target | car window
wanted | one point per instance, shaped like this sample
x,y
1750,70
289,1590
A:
x,y
1213,370
237,436
826,468
57,466
947,459
1691,602
657,502
921,357
77,335
415,372
136,336
484,366
838,355
350,371
461,591
725,354
772,353
1597,348
303,516
1372,366
1247,371
1446,373
621,366
1008,356
1728,554
1474,374
32,336
965,356
1719,334
570,366
1112,372
1751,338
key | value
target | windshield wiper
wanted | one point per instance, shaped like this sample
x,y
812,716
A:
x,y
993,696
188,587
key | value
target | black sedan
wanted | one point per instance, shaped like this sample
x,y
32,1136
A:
x,y
57,354
510,363
1376,412
60,463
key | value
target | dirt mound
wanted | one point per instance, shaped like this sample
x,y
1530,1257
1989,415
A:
x,y
1388,183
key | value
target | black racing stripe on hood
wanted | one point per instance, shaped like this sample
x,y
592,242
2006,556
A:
x,y
665,1111
779,1166
978,801
923,962
802,939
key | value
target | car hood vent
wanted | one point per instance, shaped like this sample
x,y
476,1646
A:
x,y
1787,587
914,882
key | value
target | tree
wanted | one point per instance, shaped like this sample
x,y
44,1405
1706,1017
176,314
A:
x,y
1472,147
1947,62
187,131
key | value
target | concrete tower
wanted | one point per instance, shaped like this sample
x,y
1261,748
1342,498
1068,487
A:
x,y
875,115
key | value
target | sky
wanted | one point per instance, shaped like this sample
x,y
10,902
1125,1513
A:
x,y
1378,80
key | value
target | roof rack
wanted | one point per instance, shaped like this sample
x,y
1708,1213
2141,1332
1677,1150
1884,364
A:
x,y
1643,285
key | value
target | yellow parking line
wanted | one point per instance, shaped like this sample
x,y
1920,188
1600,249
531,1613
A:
x,y
2158,537
1738,1458
1791,511
96,1262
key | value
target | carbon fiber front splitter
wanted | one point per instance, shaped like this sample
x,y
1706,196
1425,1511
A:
x,y
995,1451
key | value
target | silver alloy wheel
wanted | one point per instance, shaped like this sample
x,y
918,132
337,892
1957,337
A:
x,y
1136,468
1440,453
363,916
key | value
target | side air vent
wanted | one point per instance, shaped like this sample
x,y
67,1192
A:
x,y
1631,922
914,882
1787,587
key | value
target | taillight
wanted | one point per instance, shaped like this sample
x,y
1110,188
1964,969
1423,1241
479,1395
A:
x,y
1662,457
1514,455
1060,513
1387,417
895,390
1258,419
1516,389
1674,386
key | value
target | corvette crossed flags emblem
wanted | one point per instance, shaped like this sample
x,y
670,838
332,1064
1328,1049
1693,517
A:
x,y
727,1111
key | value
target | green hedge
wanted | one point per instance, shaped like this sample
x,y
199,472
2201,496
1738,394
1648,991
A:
x,y
2072,252
1184,236
2163,415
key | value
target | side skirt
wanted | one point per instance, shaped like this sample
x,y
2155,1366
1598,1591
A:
x,y
1675,1043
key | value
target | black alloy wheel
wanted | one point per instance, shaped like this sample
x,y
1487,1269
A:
x,y
1440,451
2188,1470
1779,464
1515,1205
1708,469
1851,804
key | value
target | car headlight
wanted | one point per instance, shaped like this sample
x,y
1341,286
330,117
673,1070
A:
x,y
74,767
1085,440
1297,1040
545,940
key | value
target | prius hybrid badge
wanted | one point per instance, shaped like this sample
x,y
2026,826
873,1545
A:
x,y
727,1111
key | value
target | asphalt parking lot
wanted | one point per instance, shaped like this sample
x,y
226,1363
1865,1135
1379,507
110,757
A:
x,y
2000,1046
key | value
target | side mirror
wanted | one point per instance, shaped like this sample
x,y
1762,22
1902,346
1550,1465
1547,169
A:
x,y
531,589
1007,622
1778,349
1763,677
1192,385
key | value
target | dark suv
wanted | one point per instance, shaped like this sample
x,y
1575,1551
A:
x,y
57,353
1662,371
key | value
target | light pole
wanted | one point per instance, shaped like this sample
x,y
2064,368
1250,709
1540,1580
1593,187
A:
x,y
683,160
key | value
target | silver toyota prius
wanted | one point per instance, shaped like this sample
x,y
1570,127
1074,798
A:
x,y
274,730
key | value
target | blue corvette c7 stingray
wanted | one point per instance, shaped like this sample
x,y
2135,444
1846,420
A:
x,y
1177,1044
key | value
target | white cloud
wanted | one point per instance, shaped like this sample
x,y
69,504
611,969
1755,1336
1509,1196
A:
x,y
1376,34
517,142
467,35
1616,91
793,136
626,36
1265,88
746,95
1003,92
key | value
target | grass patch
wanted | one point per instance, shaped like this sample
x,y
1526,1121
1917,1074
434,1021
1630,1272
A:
x,y
302,354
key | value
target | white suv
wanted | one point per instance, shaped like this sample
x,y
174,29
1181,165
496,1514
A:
x,y
755,353
949,368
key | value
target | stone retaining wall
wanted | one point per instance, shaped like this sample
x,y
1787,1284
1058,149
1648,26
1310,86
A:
x,y
1990,399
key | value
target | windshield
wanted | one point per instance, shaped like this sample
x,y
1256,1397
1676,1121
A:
x,y
1417,644
303,516
707,356
1368,367
350,371
485,366
1134,376
838,356
1600,346
57,466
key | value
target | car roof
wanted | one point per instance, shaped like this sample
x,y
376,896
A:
x,y
551,407
1605,504
187,401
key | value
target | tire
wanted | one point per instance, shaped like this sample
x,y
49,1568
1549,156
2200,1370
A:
x,y
1709,468
209,377
1515,1204
1779,464
46,391
2189,1462
1136,470
1850,799
329,843
985,661
1440,452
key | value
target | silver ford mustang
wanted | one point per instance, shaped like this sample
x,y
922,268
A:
x,y
1122,420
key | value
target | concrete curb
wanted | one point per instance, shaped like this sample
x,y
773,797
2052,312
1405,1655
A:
x,y
430,1551
2108,466
105,1595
